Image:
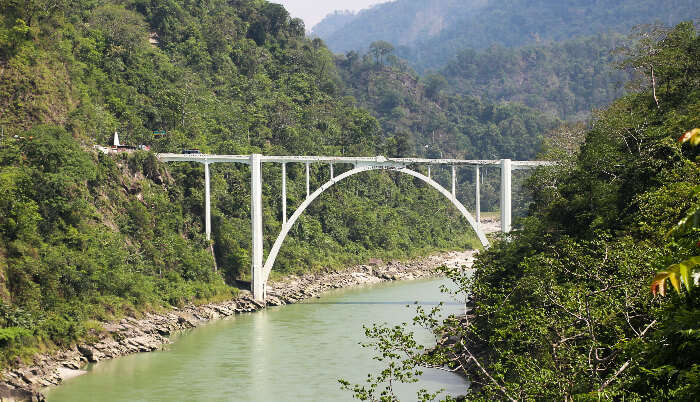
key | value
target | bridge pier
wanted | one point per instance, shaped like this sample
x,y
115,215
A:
x,y
257,282
308,186
506,195
207,202
477,180
284,193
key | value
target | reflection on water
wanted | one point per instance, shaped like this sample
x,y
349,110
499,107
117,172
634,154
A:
x,y
289,353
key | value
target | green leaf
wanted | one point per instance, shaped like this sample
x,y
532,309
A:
x,y
673,276
676,273
684,271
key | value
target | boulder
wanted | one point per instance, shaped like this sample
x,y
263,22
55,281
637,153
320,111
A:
x,y
187,320
93,355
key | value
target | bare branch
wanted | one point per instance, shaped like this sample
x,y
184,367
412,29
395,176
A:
x,y
653,86
626,364
483,370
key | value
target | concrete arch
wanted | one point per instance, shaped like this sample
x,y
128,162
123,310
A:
x,y
270,261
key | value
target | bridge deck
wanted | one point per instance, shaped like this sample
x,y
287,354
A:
x,y
377,160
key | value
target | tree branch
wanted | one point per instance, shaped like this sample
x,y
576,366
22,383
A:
x,y
653,86
493,380
626,364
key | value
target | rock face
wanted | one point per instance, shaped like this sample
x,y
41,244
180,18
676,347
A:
x,y
151,332
10,394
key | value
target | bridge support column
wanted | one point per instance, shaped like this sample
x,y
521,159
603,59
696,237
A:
x,y
308,187
207,202
257,286
477,180
284,193
505,195
454,182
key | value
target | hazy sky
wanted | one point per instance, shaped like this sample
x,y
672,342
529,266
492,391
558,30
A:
x,y
313,11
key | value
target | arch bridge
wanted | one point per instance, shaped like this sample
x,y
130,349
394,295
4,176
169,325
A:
x,y
260,272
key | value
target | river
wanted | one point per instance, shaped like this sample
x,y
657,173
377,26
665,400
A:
x,y
290,353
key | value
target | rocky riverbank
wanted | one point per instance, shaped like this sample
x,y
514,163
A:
x,y
152,330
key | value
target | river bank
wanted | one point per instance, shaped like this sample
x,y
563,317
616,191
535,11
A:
x,y
152,331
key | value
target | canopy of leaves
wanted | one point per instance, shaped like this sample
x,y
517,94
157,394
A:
x,y
563,310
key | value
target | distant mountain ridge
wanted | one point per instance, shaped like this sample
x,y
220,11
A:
x,y
402,23
332,22
429,33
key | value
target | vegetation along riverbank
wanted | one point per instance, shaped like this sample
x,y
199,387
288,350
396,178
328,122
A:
x,y
596,296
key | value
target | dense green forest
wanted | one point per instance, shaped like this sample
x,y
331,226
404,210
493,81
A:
x,y
420,116
429,33
560,79
562,309
87,236
424,117
558,59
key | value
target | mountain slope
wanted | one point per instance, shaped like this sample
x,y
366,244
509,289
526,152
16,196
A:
x,y
428,34
332,22
401,23
422,117
561,79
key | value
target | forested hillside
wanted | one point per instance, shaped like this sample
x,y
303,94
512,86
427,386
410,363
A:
x,y
559,59
429,33
564,310
90,236
569,306
402,23
565,79
332,22
425,117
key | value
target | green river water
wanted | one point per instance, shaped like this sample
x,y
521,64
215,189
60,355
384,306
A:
x,y
290,353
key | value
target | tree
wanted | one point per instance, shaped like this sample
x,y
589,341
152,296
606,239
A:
x,y
124,29
434,83
380,49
